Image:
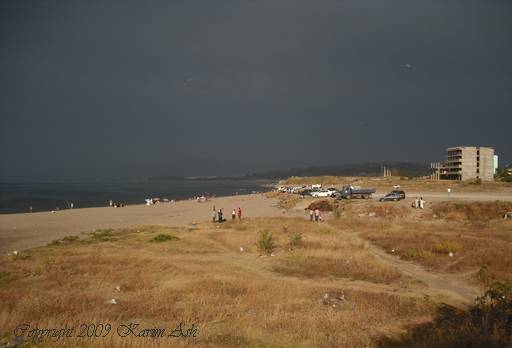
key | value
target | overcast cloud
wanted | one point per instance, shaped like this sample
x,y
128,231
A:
x,y
108,88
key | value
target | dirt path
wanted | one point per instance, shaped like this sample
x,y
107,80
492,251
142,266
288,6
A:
x,y
444,283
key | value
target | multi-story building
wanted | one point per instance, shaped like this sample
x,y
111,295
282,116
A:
x,y
465,163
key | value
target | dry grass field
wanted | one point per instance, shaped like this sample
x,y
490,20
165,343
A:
x,y
479,240
311,286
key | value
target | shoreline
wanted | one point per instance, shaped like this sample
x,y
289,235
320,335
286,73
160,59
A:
x,y
19,200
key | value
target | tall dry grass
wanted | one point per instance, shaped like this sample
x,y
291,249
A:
x,y
480,242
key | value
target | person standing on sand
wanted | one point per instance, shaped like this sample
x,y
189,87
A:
x,y
233,215
416,203
214,216
311,215
422,203
239,213
317,214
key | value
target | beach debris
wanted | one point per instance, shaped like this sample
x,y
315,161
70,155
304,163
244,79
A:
x,y
333,299
53,211
392,250
507,215
241,249
15,252
450,254
272,254
371,214
112,301
118,288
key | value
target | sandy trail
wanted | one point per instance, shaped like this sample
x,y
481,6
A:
x,y
443,283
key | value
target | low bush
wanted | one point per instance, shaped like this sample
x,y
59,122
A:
x,y
323,205
102,235
447,246
163,238
70,239
266,242
296,240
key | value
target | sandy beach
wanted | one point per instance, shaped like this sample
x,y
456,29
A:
x,y
27,230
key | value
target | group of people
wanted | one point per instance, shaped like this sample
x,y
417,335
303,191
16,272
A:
x,y
113,204
419,203
218,215
314,215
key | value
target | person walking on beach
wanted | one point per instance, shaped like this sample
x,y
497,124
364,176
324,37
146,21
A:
x,y
233,215
214,216
311,215
317,214
239,213
220,218
416,203
422,203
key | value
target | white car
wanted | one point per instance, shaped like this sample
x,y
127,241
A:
x,y
323,193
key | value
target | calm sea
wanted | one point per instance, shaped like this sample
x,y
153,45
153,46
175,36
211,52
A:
x,y
18,197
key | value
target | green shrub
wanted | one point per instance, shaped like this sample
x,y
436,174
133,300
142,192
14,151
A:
x,y
296,240
70,239
447,246
415,253
163,238
266,243
102,235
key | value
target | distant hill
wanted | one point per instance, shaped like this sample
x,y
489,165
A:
x,y
359,169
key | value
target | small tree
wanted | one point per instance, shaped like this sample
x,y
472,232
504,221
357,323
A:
x,y
295,240
266,243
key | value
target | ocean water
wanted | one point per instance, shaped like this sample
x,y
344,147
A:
x,y
18,197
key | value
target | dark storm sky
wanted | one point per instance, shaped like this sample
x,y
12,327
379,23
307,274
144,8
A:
x,y
102,88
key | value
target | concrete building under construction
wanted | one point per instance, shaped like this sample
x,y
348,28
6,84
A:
x,y
465,163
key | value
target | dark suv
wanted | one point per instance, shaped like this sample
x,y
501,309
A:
x,y
400,193
393,196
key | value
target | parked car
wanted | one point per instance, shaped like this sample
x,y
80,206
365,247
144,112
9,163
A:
x,y
392,196
400,193
307,192
322,193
